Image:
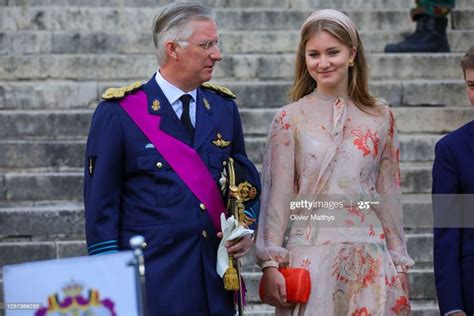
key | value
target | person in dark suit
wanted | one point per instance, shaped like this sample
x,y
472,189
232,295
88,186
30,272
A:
x,y
154,158
453,185
431,17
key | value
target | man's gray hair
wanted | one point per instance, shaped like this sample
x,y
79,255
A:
x,y
172,23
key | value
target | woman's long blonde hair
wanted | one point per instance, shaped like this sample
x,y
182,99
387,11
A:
x,y
304,84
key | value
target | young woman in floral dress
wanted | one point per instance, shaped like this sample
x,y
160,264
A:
x,y
331,184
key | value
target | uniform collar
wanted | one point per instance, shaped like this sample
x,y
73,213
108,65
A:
x,y
171,92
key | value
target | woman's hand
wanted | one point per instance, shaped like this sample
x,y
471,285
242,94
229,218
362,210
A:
x,y
274,287
404,281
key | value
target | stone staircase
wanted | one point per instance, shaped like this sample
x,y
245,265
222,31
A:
x,y
57,56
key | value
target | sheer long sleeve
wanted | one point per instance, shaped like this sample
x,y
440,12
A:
x,y
390,208
278,190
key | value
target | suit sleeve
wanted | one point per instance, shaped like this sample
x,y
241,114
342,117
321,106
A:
x,y
252,207
447,240
102,180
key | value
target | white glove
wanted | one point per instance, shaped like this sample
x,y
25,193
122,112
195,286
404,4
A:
x,y
230,230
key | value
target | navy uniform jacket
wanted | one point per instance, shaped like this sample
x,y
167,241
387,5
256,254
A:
x,y
453,173
130,189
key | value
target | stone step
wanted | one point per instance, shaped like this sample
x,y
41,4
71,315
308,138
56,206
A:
x,y
39,185
418,92
232,42
64,94
421,284
383,66
60,154
27,251
70,124
420,248
234,67
463,19
413,147
418,308
431,119
419,147
64,220
139,19
256,309
42,186
418,217
148,3
296,4
416,177
54,155
424,308
43,221
51,94
421,281
365,4
408,120
61,220
217,3
74,124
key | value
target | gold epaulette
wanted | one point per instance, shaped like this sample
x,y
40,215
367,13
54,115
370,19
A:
x,y
118,93
226,92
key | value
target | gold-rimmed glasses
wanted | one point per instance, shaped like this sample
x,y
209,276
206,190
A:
x,y
207,45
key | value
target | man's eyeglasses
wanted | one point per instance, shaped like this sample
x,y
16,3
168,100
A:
x,y
207,46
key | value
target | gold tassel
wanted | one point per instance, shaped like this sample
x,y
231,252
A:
x,y
231,279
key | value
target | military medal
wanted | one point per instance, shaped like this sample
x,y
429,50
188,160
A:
x,y
91,164
220,142
156,105
206,104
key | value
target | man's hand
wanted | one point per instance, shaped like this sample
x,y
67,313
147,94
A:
x,y
457,314
239,247
404,280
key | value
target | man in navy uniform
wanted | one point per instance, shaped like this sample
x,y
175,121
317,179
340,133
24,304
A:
x,y
453,205
154,158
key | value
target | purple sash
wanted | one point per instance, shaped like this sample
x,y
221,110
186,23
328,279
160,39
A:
x,y
184,160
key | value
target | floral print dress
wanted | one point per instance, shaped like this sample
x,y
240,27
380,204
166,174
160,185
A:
x,y
331,203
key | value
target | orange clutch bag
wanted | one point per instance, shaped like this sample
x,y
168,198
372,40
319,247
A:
x,y
298,285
